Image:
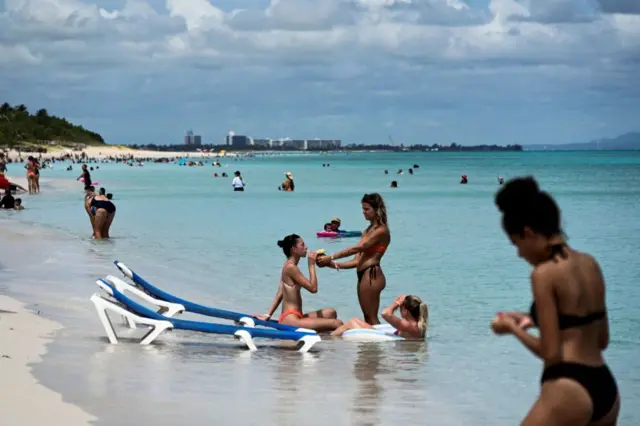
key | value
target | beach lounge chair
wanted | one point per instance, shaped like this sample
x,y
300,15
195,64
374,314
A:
x,y
195,308
139,314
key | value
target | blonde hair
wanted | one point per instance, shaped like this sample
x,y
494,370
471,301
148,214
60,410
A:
x,y
418,310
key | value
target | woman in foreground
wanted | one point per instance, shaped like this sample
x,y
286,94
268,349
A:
x,y
368,254
413,321
291,282
568,308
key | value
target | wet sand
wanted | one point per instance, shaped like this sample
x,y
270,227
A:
x,y
23,337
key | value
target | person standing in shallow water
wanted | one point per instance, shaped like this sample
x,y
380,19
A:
x,y
288,185
368,255
569,309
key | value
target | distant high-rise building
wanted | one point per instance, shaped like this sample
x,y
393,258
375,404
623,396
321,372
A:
x,y
191,139
230,138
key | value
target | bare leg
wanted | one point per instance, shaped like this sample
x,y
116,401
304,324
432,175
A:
x,y
312,323
369,290
323,313
99,222
107,225
352,324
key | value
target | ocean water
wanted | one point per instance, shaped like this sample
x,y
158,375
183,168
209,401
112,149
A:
x,y
189,233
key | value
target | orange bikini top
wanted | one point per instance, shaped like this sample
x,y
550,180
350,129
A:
x,y
378,248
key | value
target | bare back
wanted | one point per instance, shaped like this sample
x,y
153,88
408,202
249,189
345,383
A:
x,y
579,289
291,297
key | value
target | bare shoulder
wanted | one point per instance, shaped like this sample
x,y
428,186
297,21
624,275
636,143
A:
x,y
289,268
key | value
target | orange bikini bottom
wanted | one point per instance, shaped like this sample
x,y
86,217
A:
x,y
290,312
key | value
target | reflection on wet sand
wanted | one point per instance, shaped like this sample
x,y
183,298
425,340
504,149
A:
x,y
375,364
367,399
293,385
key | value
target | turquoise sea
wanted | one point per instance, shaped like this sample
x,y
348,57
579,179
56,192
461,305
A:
x,y
190,234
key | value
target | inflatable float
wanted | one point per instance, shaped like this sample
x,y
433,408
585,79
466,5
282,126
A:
x,y
341,234
379,333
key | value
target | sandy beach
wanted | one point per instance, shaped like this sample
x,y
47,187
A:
x,y
25,402
105,151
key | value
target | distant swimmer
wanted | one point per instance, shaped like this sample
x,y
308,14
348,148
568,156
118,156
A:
x,y
238,183
291,283
335,224
288,185
463,179
410,171
368,255
500,180
413,321
394,184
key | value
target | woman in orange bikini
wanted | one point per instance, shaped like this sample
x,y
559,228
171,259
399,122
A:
x,y
291,282
368,254
32,175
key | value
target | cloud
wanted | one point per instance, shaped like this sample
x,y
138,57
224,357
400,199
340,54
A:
x,y
631,7
437,70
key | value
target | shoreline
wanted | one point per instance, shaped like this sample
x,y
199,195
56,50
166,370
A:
x,y
106,151
23,338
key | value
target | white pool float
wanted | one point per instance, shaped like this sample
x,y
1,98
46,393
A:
x,y
380,333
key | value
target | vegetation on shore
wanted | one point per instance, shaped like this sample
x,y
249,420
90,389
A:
x,y
20,128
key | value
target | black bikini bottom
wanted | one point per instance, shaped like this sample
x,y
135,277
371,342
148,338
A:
x,y
597,381
372,272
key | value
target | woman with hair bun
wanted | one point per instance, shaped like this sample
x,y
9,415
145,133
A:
x,y
291,282
368,255
568,308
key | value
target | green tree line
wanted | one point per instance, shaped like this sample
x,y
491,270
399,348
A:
x,y
17,125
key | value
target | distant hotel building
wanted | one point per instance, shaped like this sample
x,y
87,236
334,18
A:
x,y
239,141
191,139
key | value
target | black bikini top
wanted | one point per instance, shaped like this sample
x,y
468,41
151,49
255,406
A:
x,y
566,321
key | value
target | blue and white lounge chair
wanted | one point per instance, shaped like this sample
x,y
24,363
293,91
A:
x,y
195,308
139,314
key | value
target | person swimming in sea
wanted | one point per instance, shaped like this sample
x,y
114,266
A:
x,y
412,323
335,224
368,255
292,281
569,310
464,179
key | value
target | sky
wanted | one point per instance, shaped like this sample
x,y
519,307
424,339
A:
x,y
418,71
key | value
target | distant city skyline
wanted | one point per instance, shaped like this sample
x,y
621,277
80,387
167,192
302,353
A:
x,y
430,71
